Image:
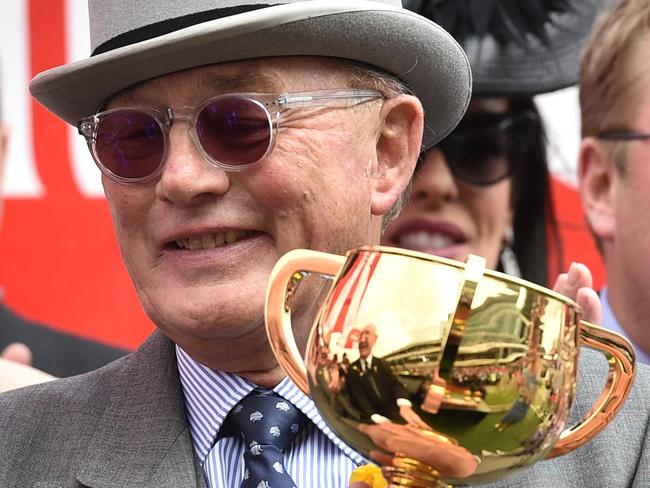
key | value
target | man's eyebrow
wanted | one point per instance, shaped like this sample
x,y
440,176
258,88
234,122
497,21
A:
x,y
216,84
241,82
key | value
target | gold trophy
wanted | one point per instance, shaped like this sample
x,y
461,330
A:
x,y
443,372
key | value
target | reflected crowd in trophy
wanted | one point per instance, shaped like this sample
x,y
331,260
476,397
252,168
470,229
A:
x,y
494,356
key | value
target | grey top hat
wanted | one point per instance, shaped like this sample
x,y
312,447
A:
x,y
517,47
136,41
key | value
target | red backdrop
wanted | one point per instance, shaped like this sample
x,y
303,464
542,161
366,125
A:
x,y
59,261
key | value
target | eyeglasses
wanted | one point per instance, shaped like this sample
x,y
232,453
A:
x,y
623,135
233,131
486,149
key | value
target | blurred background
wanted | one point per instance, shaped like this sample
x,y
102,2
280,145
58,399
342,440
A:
x,y
59,260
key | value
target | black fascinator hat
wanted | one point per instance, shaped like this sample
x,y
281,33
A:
x,y
516,47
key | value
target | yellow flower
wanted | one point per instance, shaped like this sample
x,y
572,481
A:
x,y
368,474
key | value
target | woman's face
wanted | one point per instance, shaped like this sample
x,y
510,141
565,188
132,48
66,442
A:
x,y
449,217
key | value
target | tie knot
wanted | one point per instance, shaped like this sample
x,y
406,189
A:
x,y
264,417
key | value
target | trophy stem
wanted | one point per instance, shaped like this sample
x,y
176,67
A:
x,y
407,472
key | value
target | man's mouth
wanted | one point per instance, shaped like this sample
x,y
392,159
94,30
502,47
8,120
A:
x,y
212,240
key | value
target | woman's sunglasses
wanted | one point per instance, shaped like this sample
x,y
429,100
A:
x,y
233,132
486,148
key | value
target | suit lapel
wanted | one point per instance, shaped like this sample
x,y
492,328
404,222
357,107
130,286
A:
x,y
142,439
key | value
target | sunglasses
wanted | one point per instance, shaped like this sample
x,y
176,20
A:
x,y
486,148
624,135
233,131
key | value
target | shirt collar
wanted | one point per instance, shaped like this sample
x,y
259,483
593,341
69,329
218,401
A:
x,y
210,394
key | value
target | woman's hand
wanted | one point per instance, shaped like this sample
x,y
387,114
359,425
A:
x,y
577,285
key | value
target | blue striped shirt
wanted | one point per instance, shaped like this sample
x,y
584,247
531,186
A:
x,y
317,457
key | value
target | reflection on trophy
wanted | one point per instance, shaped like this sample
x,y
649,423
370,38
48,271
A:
x,y
442,372
379,394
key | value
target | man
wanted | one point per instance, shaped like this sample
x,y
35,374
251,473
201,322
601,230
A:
x,y
28,343
614,172
208,187
207,194
372,376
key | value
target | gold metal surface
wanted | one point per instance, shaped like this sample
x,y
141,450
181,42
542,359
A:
x,y
441,371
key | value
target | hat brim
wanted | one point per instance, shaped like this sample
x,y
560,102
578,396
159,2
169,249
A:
x,y
413,48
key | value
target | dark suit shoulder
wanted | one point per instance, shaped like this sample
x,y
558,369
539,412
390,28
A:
x,y
82,393
48,430
55,352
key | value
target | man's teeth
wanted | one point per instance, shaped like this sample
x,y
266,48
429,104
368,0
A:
x,y
426,240
210,241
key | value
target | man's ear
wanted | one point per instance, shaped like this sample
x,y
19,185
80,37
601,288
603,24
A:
x,y
597,184
399,142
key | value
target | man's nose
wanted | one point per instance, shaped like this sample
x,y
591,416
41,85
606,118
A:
x,y
187,173
434,182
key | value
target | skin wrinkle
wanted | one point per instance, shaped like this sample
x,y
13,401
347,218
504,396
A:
x,y
216,311
305,140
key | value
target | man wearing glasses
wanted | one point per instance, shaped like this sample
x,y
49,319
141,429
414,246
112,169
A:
x,y
614,171
226,136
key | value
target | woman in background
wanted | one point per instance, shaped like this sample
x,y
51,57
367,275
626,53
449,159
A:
x,y
485,189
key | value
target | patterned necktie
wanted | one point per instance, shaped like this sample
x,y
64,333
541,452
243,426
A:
x,y
268,424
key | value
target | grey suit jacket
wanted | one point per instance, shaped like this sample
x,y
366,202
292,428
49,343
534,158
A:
x,y
124,426
120,426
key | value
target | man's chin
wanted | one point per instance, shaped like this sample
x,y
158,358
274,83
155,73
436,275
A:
x,y
209,324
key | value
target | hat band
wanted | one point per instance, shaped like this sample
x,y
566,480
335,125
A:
x,y
157,29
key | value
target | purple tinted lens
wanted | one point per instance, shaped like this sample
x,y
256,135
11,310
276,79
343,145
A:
x,y
130,144
234,130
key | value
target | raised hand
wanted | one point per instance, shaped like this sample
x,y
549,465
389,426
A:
x,y
577,285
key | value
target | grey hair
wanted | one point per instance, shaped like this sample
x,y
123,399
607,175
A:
x,y
371,78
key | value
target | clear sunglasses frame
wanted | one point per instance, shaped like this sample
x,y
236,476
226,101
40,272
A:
x,y
273,105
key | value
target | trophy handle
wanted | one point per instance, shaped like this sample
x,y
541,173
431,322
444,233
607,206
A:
x,y
621,358
278,314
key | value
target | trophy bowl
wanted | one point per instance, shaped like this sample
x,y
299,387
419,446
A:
x,y
440,371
